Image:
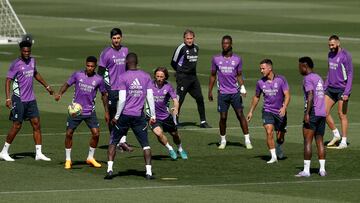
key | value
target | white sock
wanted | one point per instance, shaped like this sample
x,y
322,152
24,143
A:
x,y
123,139
91,153
336,132
273,153
68,154
343,140
247,138
169,146
6,148
322,164
38,149
148,170
110,166
223,138
180,149
307,166
202,122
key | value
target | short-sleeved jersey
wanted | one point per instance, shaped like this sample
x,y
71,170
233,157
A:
x,y
114,62
136,83
313,82
340,71
273,91
85,90
185,58
227,71
22,74
162,96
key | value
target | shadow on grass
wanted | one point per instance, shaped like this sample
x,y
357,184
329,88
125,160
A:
x,y
268,157
236,144
23,155
185,124
130,172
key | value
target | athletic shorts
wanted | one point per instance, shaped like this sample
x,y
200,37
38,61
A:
x,y
334,93
138,125
113,97
90,120
279,123
21,111
167,124
317,124
224,101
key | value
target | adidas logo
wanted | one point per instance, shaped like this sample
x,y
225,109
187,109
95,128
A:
x,y
135,84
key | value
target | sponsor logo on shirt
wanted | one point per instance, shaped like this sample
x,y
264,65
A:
x,y
135,88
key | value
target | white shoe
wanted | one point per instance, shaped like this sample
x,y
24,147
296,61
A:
x,y
322,173
6,157
333,141
279,152
248,145
272,160
41,157
302,174
342,145
222,145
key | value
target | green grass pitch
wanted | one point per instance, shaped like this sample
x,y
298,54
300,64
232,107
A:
x,y
66,31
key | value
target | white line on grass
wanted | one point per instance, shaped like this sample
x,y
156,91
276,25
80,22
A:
x,y
65,59
178,186
173,26
182,129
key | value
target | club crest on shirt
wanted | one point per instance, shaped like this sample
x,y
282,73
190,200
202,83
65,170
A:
x,y
338,59
276,85
93,83
233,63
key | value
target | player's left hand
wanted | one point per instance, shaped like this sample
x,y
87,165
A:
x,y
114,121
152,121
50,90
282,111
174,111
307,118
344,97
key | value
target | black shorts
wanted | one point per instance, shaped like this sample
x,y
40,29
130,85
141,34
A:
x,y
90,120
188,83
317,124
280,123
224,101
167,124
21,111
138,125
113,97
334,93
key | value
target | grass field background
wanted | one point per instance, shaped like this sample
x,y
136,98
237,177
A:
x,y
66,31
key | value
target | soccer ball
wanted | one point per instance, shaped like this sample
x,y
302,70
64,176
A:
x,y
74,109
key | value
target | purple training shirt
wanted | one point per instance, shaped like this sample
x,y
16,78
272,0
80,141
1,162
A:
x,y
273,91
313,82
114,62
85,90
162,96
22,75
227,70
340,72
136,83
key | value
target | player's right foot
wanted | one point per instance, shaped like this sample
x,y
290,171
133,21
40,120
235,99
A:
x,y
109,175
93,163
222,145
248,145
172,154
42,157
302,174
205,125
279,152
149,177
6,157
125,147
333,141
68,164
322,173
342,145
272,160
183,154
